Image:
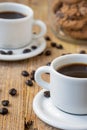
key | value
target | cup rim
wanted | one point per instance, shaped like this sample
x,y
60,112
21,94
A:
x,y
67,56
17,4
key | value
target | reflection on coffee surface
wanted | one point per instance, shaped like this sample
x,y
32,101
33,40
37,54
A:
x,y
77,70
11,15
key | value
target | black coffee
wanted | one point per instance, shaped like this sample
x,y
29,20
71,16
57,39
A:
x,y
11,15
77,70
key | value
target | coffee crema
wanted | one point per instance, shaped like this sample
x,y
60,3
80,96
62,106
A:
x,y
78,70
11,15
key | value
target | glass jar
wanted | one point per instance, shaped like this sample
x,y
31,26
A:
x,y
68,19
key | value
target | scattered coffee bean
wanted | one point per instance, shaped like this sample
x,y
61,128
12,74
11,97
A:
x,y
82,52
47,73
63,54
53,44
26,127
26,50
48,64
3,111
47,93
13,92
29,83
48,52
5,102
9,52
34,33
47,38
59,46
25,73
3,52
32,75
28,124
33,72
33,47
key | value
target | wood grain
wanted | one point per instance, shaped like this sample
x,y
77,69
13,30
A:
x,y
20,108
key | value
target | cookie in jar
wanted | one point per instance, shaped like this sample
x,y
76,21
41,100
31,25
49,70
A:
x,y
70,18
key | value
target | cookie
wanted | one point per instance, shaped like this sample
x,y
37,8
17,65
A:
x,y
79,34
72,24
72,16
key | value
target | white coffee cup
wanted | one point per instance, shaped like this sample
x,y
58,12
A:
x,y
67,93
16,33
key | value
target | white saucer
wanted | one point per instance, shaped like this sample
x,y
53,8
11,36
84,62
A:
x,y
18,55
51,115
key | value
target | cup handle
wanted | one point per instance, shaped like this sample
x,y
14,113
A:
x,y
39,80
42,26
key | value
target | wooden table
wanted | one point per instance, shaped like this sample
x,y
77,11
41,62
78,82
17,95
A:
x,y
20,108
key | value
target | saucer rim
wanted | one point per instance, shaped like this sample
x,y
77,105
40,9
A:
x,y
59,124
23,56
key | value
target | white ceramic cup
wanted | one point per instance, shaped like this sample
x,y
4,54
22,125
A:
x,y
67,93
16,33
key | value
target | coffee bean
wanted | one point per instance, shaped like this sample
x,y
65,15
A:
x,y
25,73
5,102
59,46
13,92
9,52
26,50
53,44
32,75
33,47
33,72
3,52
47,38
34,33
3,111
29,83
63,54
47,93
48,64
28,124
47,73
48,52
82,52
